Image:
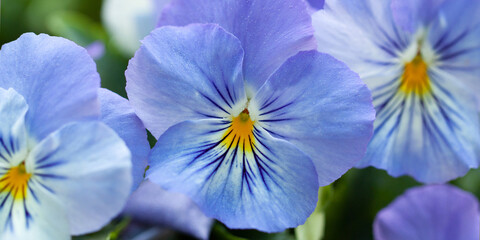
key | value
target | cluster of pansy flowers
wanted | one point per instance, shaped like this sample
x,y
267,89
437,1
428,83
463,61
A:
x,y
251,119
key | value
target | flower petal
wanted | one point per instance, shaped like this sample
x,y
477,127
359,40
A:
x,y
412,14
151,204
322,107
88,169
39,217
432,137
316,4
183,73
455,40
119,115
263,183
270,31
362,34
436,212
13,138
57,78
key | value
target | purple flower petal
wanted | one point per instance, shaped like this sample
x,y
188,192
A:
x,y
151,204
271,31
435,212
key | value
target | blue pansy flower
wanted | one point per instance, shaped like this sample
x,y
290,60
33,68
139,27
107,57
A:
x,y
248,124
421,60
435,212
62,171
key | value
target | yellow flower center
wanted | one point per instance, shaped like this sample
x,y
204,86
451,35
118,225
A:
x,y
15,182
415,77
240,133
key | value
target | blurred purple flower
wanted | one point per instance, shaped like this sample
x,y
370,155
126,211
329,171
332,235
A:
x,y
96,50
435,212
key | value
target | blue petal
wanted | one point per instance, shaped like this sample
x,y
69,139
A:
x,y
87,166
13,137
454,35
316,4
42,217
57,78
433,138
119,115
271,31
322,107
437,212
151,204
183,73
412,14
362,34
261,183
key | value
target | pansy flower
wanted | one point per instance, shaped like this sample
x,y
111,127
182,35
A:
x,y
435,212
421,60
248,124
62,171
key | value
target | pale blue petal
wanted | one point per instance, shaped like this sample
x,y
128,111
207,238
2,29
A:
x,y
413,14
183,73
432,138
454,35
119,115
57,78
41,217
271,187
13,137
271,31
153,205
88,169
322,107
435,212
362,34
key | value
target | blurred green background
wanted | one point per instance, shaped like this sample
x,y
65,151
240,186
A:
x,y
351,205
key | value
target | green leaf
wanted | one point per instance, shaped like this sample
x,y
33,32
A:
x,y
313,229
109,232
76,27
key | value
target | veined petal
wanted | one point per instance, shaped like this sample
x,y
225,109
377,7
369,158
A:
x,y
13,138
432,136
38,216
435,212
318,104
362,34
270,31
57,78
151,204
412,14
454,39
246,180
119,115
182,73
88,169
